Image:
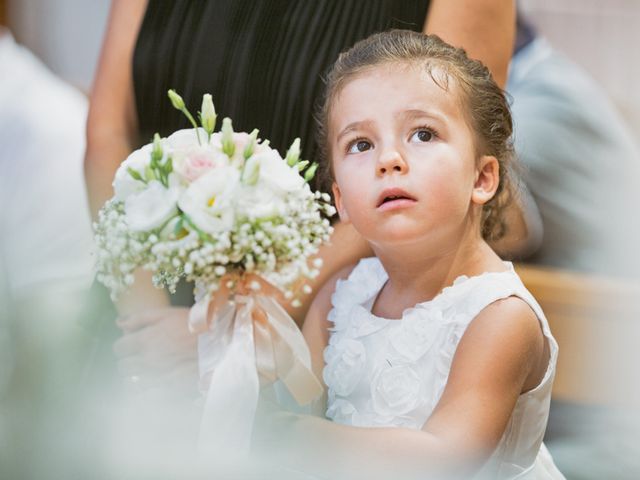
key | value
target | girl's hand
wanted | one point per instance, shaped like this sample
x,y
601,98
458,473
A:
x,y
157,349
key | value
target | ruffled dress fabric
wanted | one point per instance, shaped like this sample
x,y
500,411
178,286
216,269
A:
x,y
392,373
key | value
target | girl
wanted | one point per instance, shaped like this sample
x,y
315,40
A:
x,y
435,336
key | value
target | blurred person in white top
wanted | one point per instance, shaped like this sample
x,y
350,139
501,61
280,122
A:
x,y
46,229
45,261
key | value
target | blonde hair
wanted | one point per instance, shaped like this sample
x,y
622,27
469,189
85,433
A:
x,y
484,102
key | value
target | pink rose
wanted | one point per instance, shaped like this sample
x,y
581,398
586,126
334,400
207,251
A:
x,y
197,161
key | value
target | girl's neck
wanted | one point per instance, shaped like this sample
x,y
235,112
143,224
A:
x,y
417,274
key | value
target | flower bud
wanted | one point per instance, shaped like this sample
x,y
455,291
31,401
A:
x,y
251,145
149,174
135,175
208,114
251,171
310,173
293,154
178,103
228,146
176,100
156,151
167,168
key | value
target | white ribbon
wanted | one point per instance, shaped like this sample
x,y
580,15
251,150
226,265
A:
x,y
235,353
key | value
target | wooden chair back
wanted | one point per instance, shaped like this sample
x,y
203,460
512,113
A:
x,y
596,321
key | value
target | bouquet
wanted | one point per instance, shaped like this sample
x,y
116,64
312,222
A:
x,y
217,208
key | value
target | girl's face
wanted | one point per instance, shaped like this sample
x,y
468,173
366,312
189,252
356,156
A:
x,y
404,158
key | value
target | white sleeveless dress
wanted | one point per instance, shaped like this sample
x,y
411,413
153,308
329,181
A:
x,y
391,373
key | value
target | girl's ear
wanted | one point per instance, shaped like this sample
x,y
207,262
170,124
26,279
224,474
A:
x,y
342,212
487,180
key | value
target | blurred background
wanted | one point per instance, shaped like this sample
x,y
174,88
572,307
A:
x,y
45,258
597,34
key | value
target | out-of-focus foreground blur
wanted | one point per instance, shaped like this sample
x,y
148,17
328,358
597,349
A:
x,y
58,420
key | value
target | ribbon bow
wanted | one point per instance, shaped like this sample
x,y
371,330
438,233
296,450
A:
x,y
251,338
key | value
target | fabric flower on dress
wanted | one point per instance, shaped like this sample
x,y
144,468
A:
x,y
417,332
363,283
361,323
345,363
341,411
397,390
347,293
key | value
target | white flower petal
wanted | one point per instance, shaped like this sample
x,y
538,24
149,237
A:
x,y
151,207
208,201
124,184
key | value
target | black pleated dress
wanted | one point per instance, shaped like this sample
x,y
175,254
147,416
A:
x,y
262,60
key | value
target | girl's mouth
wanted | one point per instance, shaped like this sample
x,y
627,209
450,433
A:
x,y
393,198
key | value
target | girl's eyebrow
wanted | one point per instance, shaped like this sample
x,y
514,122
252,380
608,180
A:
x,y
417,113
353,126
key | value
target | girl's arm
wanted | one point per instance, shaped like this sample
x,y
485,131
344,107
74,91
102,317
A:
x,y
501,355
484,28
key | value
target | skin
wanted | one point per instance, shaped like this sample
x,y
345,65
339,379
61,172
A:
x,y
484,28
424,245
112,128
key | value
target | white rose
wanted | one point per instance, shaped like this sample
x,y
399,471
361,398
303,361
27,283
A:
x,y
345,366
396,390
208,201
151,207
259,202
184,139
277,175
416,333
123,183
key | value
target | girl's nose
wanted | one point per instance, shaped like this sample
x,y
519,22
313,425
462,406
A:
x,y
391,161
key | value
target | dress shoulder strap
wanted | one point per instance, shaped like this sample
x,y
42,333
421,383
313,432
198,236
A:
x,y
490,287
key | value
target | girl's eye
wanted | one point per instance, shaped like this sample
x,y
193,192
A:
x,y
422,135
358,146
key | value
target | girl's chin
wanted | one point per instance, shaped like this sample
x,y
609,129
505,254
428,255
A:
x,y
399,236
